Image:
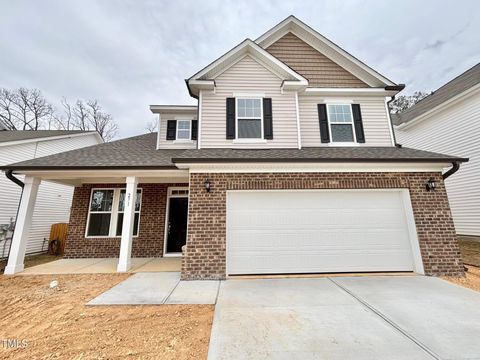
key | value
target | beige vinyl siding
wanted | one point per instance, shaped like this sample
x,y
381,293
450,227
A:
x,y
248,76
376,125
314,66
454,131
163,143
53,200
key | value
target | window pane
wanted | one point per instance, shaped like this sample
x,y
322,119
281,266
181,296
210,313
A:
x,y
184,124
102,200
121,203
120,224
183,134
342,133
249,129
99,224
340,113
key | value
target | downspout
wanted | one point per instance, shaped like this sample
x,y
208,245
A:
x,y
453,170
9,175
391,123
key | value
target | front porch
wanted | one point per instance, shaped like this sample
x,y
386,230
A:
x,y
120,221
104,266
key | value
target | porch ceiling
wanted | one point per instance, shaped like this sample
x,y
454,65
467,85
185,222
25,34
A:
x,y
79,177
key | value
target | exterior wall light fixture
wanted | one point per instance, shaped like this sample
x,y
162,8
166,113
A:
x,y
207,185
431,185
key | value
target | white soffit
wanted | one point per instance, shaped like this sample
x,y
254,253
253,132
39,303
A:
x,y
326,47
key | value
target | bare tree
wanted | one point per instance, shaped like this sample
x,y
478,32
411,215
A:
x,y
7,109
403,102
151,126
27,109
24,109
87,115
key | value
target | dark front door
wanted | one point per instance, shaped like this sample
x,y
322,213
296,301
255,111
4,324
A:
x,y
177,224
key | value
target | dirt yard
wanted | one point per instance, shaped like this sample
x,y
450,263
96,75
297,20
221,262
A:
x,y
56,324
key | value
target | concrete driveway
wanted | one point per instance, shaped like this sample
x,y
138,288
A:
x,y
372,317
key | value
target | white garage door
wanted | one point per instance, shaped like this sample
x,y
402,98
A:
x,y
317,231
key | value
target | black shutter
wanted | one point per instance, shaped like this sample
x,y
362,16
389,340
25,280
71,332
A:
x,y
194,129
230,118
171,129
358,123
267,119
323,121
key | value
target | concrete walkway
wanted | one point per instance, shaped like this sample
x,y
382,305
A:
x,y
159,288
103,266
371,317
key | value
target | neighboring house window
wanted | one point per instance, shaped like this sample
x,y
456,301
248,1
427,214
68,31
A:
x,y
341,123
105,216
183,129
249,118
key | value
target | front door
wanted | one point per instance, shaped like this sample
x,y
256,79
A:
x,y
176,225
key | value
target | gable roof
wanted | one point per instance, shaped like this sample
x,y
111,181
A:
x,y
7,136
204,79
448,92
325,47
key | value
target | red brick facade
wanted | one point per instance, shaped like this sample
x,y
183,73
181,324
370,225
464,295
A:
x,y
204,255
149,242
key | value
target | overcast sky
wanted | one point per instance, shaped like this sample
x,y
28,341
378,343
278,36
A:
x,y
130,54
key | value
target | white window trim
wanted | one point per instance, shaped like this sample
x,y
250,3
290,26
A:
x,y
114,214
249,140
341,143
167,214
189,131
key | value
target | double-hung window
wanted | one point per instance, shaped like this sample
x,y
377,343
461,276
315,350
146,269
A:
x,y
249,118
105,216
184,128
341,123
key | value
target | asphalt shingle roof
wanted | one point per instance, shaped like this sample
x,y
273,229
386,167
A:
x,y
140,152
313,154
461,83
18,135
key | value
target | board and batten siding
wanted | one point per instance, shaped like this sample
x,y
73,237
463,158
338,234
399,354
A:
x,y
376,124
53,200
454,131
163,143
248,76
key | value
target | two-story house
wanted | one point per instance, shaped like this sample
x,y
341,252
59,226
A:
x,y
287,164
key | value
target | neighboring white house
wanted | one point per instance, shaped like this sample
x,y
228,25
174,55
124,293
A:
x,y
448,121
54,200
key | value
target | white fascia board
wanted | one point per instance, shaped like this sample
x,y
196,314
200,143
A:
x,y
443,106
159,109
50,138
288,85
349,91
298,28
313,167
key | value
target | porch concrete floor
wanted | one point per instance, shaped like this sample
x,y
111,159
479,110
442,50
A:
x,y
103,266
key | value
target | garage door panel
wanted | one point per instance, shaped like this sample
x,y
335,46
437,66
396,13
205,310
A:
x,y
317,231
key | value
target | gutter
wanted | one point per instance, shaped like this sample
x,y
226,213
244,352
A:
x,y
455,167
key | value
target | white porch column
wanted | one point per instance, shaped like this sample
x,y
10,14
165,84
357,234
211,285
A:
x,y
124,262
22,225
